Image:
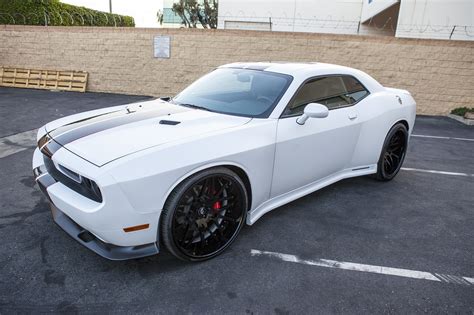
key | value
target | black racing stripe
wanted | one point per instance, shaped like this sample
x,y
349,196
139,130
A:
x,y
61,136
86,121
43,140
50,148
74,131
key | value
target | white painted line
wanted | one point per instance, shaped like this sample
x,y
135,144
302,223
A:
x,y
436,172
407,273
445,138
17,143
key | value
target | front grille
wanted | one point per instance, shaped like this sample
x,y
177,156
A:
x,y
84,190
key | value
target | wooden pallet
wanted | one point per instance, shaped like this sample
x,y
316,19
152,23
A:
x,y
44,79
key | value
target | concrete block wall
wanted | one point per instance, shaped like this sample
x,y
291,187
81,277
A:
x,y
440,74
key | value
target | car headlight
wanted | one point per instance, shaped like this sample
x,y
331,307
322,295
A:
x,y
83,185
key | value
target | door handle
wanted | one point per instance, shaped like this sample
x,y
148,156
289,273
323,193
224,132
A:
x,y
352,116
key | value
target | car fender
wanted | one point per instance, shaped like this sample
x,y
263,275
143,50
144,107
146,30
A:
x,y
203,167
377,114
150,175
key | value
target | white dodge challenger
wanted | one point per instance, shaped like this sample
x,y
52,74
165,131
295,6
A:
x,y
187,172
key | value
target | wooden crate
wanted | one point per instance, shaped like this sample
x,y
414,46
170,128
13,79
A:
x,y
44,79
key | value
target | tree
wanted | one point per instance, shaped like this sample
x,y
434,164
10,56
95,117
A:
x,y
195,12
210,12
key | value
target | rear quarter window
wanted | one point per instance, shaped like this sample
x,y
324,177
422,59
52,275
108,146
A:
x,y
355,90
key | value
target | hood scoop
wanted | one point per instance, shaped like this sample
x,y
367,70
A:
x,y
169,122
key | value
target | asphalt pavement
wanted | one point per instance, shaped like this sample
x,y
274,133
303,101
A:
x,y
421,223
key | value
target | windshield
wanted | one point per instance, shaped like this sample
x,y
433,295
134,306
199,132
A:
x,y
241,92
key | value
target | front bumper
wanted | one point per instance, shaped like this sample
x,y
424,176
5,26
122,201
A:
x,y
105,250
84,236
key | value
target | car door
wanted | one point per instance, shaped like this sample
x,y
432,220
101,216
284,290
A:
x,y
322,146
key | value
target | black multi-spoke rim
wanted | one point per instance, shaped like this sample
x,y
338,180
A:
x,y
394,154
208,216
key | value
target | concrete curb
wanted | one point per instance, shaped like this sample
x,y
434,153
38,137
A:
x,y
469,122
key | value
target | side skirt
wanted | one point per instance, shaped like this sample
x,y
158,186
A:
x,y
285,198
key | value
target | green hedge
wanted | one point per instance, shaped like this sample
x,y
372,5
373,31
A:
x,y
53,12
461,111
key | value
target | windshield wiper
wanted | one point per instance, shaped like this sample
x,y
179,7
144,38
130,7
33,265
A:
x,y
194,106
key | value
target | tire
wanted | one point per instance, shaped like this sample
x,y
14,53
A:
x,y
393,153
204,214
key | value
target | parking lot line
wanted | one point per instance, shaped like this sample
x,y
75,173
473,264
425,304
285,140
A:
x,y
17,142
436,172
446,138
407,273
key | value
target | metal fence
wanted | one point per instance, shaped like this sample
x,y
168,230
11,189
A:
x,y
298,24
329,25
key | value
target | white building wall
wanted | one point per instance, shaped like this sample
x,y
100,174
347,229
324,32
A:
x,y
325,16
436,19
416,18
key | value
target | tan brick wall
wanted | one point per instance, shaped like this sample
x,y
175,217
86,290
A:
x,y
440,74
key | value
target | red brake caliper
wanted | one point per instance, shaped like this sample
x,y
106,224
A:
x,y
216,206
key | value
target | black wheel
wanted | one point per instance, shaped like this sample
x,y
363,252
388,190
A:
x,y
204,214
393,153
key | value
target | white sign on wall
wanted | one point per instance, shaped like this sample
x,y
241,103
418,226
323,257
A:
x,y
161,46
371,8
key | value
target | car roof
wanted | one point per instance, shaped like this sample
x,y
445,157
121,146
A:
x,y
290,68
304,70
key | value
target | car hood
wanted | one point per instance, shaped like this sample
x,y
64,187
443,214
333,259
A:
x,y
104,136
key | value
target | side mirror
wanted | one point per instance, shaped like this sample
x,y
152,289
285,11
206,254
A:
x,y
313,110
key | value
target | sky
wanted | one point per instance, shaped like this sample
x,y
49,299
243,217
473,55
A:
x,y
143,11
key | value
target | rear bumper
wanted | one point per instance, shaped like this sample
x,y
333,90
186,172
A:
x,y
93,238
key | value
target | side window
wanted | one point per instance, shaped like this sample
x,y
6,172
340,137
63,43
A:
x,y
355,90
333,91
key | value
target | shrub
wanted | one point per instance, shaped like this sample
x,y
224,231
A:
x,y
53,12
461,111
